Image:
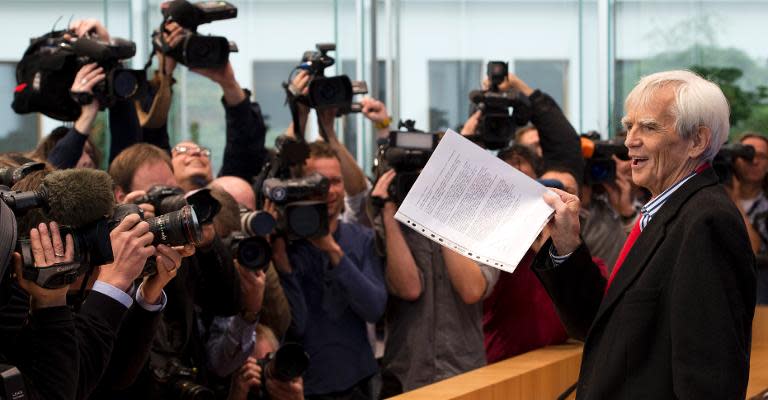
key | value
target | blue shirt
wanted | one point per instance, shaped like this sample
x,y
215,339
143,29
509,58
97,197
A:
x,y
331,305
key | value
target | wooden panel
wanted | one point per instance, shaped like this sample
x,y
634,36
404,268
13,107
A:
x,y
547,372
539,374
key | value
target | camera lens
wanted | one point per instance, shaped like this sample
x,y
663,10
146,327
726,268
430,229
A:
x,y
124,84
307,218
257,223
177,228
188,390
290,361
254,253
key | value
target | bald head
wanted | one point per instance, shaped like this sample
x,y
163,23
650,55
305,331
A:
x,y
238,188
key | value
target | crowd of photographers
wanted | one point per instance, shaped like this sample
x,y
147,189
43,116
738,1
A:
x,y
283,275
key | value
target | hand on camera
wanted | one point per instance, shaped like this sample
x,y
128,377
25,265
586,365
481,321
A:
x,y
512,82
246,378
374,110
381,190
131,246
47,249
564,225
173,34
168,263
280,255
252,285
82,87
147,208
279,390
470,126
83,27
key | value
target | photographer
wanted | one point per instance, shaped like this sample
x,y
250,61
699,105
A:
x,y
433,290
748,191
334,285
206,285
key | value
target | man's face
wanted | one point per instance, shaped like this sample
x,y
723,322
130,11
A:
x,y
151,174
753,171
522,165
659,157
568,181
331,169
190,160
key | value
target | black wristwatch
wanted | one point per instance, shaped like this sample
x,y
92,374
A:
x,y
379,202
81,98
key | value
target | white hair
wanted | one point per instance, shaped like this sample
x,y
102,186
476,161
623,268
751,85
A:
x,y
698,103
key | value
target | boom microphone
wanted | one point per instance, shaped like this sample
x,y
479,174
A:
x,y
73,197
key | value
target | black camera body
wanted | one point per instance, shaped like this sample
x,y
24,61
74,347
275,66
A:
x,y
196,50
497,125
251,252
167,199
178,382
407,152
289,362
600,166
12,383
327,92
723,161
282,182
9,176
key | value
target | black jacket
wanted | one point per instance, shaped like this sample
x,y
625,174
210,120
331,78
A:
x,y
560,144
677,319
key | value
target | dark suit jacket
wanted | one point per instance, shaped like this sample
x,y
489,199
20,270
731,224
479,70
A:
x,y
677,319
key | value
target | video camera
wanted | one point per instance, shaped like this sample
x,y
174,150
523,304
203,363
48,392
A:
x,y
325,92
407,151
497,125
600,168
289,362
281,181
723,161
196,50
93,247
51,62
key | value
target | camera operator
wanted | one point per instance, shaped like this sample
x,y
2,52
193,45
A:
x,y
207,285
748,191
433,290
275,312
248,379
334,285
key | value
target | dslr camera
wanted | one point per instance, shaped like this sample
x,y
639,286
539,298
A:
x,y
196,50
167,199
289,362
407,151
251,252
497,124
326,92
598,154
724,159
178,382
300,200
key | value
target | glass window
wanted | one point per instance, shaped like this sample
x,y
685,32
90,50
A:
x,y
550,76
449,85
268,78
18,132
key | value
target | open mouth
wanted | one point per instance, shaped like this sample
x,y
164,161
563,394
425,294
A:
x,y
639,161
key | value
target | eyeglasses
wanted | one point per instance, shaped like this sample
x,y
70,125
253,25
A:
x,y
191,150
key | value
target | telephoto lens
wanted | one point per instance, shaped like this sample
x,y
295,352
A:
x,y
176,228
256,223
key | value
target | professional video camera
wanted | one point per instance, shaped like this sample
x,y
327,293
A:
x,y
9,176
289,362
178,381
92,245
300,200
326,92
497,125
251,252
407,151
598,154
49,65
195,50
723,162
167,199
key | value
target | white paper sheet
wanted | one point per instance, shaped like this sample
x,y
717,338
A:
x,y
476,204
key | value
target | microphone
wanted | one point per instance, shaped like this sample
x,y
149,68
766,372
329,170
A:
x,y
73,197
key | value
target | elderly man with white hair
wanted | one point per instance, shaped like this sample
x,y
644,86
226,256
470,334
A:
x,y
674,319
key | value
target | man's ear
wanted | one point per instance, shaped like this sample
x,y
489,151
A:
x,y
119,194
700,141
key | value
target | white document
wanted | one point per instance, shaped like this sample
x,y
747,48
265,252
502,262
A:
x,y
475,204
